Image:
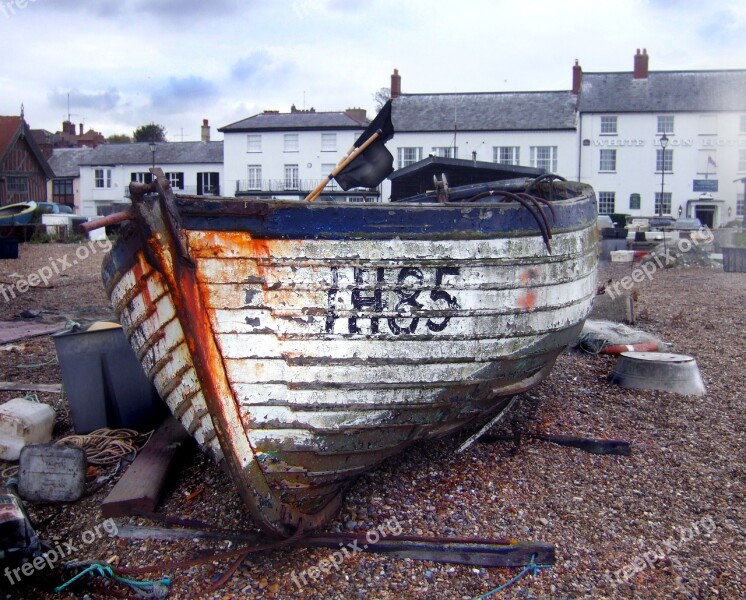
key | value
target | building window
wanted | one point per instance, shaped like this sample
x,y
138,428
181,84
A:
x,y
739,205
208,184
634,201
544,157
355,199
254,177
62,191
17,184
291,177
253,142
328,142
141,177
665,124
408,156
741,161
290,142
607,161
666,203
176,179
742,126
327,168
445,151
608,126
606,201
664,160
506,155
102,178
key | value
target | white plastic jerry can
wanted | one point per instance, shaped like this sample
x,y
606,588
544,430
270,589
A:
x,y
23,422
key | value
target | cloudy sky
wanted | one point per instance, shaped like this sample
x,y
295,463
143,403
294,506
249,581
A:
x,y
124,63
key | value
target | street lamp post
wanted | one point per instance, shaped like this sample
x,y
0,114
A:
x,y
664,145
152,150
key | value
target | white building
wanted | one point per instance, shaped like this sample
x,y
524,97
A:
x,y
107,170
622,118
286,155
534,129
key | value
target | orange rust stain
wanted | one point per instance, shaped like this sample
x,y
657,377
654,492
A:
x,y
527,300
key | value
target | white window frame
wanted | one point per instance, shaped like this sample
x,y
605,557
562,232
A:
x,y
328,142
664,160
608,125
254,143
408,155
445,151
665,124
253,177
739,204
549,162
606,203
326,169
102,178
607,160
667,203
290,179
290,142
141,177
506,155
173,179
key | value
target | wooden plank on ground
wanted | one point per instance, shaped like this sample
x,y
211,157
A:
x,y
13,331
139,489
16,386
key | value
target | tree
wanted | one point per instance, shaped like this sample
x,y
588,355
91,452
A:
x,y
381,97
119,138
150,133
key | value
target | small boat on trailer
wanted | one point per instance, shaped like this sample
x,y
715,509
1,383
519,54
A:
x,y
17,214
303,343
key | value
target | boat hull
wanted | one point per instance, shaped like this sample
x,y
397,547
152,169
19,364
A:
x,y
303,357
17,214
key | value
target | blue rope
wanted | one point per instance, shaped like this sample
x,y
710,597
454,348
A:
x,y
155,587
531,567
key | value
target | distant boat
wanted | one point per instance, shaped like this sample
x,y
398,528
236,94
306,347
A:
x,y
303,343
17,214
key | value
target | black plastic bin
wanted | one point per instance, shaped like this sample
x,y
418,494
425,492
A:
x,y
104,382
8,247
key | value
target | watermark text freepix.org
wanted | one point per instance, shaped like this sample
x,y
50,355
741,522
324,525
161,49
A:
x,y
45,274
649,268
60,551
325,565
656,557
9,7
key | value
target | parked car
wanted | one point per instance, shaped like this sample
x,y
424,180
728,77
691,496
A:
x,y
52,208
688,224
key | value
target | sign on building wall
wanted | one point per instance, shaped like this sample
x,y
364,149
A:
x,y
705,185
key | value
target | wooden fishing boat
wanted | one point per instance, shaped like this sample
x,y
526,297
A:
x,y
17,214
303,343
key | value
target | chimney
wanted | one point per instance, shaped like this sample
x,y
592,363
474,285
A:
x,y
577,77
641,65
395,84
68,127
358,114
205,131
80,125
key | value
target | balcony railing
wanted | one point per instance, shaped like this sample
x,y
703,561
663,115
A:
x,y
295,187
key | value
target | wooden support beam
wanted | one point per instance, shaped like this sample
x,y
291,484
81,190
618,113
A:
x,y
139,489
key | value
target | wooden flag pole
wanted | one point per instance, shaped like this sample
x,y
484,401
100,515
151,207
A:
x,y
350,157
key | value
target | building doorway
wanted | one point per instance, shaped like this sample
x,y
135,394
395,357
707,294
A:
x,y
706,215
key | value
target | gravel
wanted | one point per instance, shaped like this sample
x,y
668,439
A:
x,y
665,522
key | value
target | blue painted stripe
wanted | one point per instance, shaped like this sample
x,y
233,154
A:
x,y
305,220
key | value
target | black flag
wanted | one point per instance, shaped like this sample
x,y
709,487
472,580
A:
x,y
374,163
